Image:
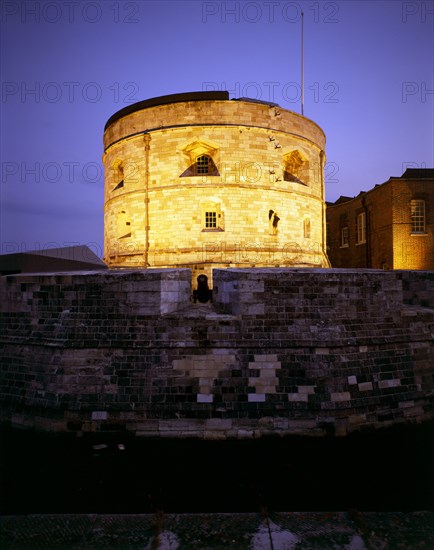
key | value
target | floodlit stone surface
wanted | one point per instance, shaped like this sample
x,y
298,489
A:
x,y
265,188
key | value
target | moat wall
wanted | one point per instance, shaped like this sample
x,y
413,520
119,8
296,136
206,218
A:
x,y
280,351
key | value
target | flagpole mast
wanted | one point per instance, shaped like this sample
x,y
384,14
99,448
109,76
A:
x,y
302,63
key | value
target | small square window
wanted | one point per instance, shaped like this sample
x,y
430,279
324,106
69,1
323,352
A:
x,y
210,220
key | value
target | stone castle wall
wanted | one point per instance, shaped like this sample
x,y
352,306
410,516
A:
x,y
280,351
157,216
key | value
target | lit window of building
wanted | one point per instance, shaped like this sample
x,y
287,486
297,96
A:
x,y
417,216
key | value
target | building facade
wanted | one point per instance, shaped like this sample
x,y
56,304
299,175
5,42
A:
x,y
200,181
389,227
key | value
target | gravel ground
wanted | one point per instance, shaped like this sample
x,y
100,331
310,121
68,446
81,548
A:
x,y
277,531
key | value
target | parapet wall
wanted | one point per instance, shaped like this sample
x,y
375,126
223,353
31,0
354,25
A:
x,y
280,351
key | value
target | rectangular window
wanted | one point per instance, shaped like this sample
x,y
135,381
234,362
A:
x,y
344,236
361,228
417,216
202,164
306,229
210,220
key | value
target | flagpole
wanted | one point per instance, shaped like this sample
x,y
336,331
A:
x,y
302,63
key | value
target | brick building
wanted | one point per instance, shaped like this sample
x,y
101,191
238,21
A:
x,y
388,227
201,181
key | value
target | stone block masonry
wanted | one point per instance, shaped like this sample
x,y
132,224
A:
x,y
280,351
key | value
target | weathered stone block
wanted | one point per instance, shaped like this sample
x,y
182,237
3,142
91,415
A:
x,y
306,389
298,397
204,398
365,386
256,397
340,396
393,383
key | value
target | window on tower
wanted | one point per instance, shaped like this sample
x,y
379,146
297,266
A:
x,y
123,229
199,159
210,220
203,164
273,222
119,175
212,216
295,168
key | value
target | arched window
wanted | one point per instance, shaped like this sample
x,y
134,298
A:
x,y
417,208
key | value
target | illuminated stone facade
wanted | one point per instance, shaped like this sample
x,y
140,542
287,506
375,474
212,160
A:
x,y
200,181
389,227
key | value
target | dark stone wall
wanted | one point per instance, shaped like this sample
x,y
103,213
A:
x,y
418,287
280,351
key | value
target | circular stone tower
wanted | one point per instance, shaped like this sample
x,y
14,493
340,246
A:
x,y
198,180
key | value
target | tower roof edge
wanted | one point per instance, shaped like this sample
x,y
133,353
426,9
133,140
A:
x,y
164,100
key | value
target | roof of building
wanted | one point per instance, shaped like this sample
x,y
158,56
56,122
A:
x,y
260,101
409,174
164,100
342,199
418,173
178,98
70,258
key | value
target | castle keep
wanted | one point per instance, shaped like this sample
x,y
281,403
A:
x,y
200,181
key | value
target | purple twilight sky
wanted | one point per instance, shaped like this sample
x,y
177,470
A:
x,y
68,65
